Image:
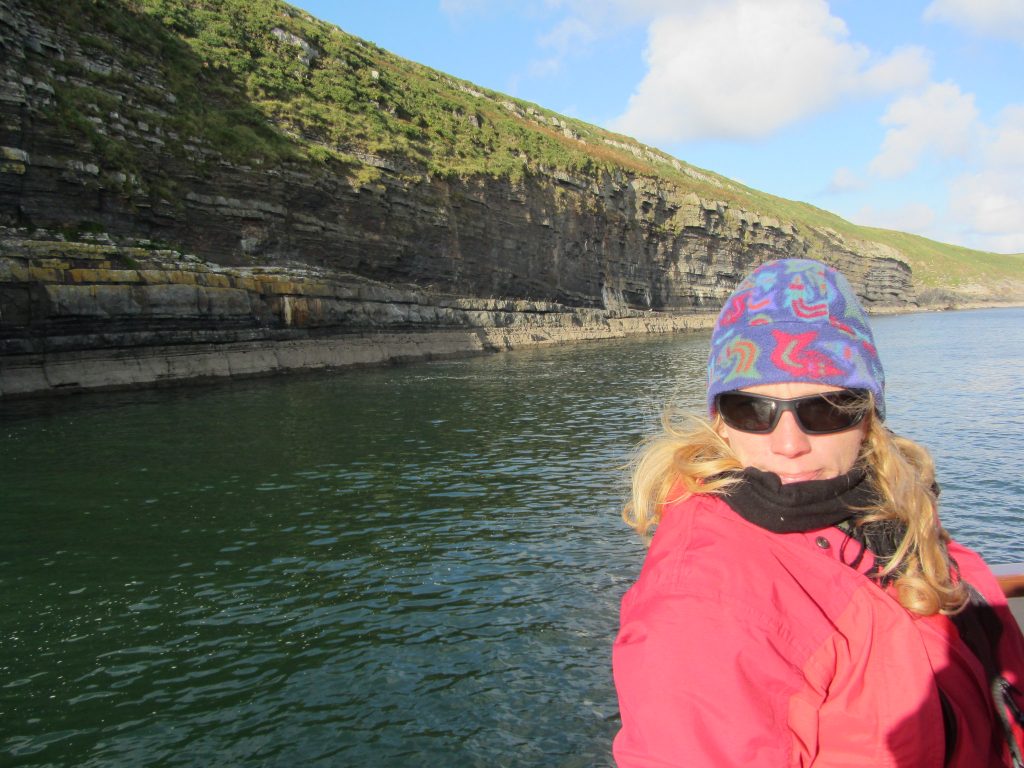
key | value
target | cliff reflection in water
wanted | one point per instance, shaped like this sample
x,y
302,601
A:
x,y
393,567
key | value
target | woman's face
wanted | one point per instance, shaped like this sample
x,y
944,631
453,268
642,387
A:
x,y
790,453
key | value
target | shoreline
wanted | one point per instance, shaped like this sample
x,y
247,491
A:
x,y
95,316
964,307
125,368
49,374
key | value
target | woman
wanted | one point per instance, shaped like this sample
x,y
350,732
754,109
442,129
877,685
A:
x,y
800,604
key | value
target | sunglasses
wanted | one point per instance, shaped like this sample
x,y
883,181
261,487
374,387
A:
x,y
820,414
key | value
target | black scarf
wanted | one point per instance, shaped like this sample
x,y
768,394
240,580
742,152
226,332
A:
x,y
764,500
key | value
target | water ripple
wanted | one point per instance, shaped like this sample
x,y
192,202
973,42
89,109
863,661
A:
x,y
403,566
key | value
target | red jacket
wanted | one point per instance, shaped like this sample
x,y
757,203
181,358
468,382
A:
x,y
742,647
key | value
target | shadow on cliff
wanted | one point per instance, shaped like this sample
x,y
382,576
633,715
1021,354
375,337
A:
x,y
182,154
132,97
209,94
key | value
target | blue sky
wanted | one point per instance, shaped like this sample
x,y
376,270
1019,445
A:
x,y
907,114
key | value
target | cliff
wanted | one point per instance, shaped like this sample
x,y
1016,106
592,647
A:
x,y
172,207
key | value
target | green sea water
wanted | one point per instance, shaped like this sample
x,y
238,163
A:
x,y
405,566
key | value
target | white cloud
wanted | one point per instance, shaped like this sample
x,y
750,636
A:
x,y
1006,148
992,200
568,34
611,13
912,217
941,119
906,67
845,180
1008,243
745,68
994,18
989,202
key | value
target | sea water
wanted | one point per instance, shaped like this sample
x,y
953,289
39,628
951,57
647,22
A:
x,y
404,566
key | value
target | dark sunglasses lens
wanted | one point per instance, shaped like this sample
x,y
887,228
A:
x,y
829,413
745,413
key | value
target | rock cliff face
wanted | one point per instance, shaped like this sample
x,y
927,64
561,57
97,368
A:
x,y
122,238
81,316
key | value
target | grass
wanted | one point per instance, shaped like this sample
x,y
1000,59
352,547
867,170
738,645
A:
x,y
941,264
259,80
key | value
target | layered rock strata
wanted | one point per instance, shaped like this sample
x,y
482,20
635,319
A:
x,y
303,264
86,316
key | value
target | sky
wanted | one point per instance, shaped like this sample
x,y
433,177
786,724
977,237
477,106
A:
x,y
903,114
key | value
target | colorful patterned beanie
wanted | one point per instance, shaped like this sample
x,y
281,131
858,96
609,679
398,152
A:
x,y
794,320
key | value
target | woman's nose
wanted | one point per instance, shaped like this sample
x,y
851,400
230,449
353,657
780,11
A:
x,y
788,439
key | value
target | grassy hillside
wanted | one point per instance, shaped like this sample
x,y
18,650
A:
x,y
260,81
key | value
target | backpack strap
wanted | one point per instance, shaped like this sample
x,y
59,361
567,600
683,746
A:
x,y
980,629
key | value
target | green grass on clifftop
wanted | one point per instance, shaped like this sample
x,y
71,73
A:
x,y
263,82
941,264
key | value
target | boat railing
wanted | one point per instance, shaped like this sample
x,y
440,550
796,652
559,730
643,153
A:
x,y
1011,579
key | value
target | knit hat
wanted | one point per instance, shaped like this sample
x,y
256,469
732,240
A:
x,y
794,320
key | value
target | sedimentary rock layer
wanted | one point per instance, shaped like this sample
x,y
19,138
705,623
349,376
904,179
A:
x,y
78,316
609,239
120,233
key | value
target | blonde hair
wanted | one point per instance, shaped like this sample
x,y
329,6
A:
x,y
690,456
